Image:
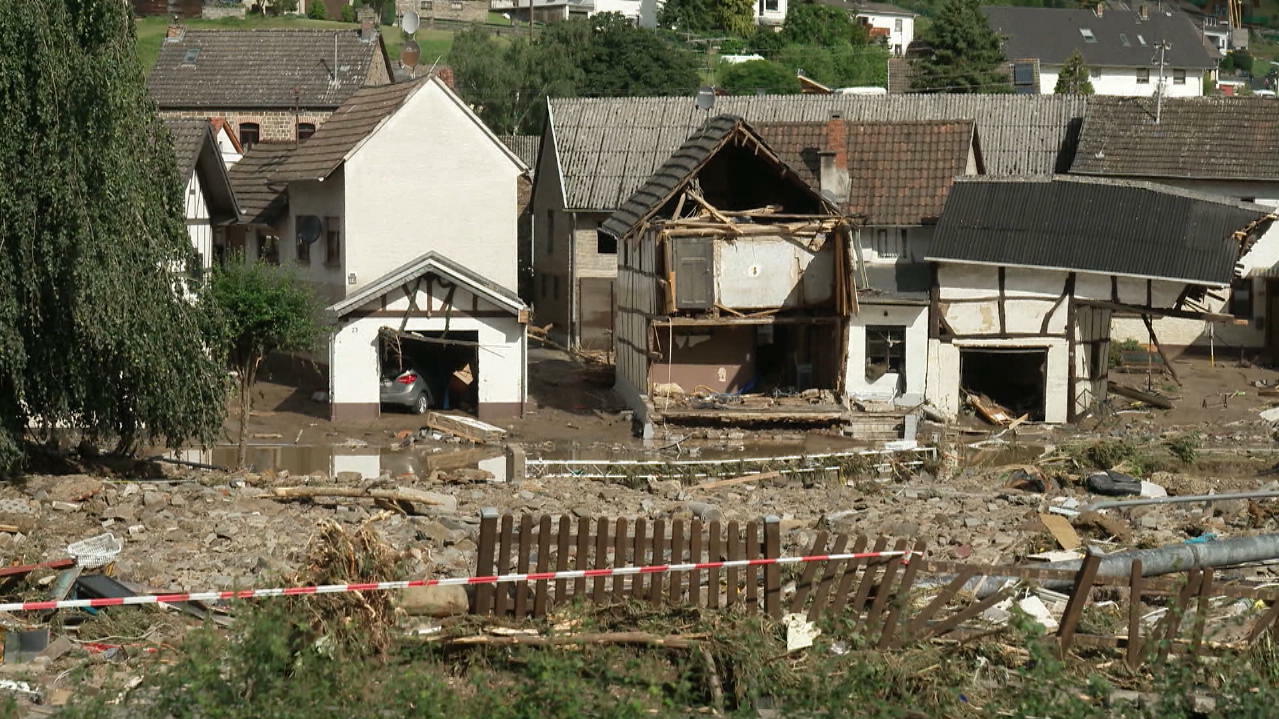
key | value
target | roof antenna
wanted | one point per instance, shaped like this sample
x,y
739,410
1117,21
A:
x,y
1163,46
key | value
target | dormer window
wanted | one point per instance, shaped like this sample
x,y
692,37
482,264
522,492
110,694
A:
x,y
191,56
1087,33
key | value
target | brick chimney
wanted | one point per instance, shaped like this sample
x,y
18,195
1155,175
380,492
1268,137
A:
x,y
445,73
175,31
834,159
1100,9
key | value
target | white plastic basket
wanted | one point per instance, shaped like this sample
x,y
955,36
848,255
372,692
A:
x,y
95,551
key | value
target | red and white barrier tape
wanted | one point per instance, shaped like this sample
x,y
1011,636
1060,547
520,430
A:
x,y
449,581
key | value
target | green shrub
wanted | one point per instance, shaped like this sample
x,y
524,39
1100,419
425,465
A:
x,y
348,13
316,10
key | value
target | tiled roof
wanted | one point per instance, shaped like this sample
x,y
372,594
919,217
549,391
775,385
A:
x,y
188,138
1095,225
260,201
262,68
525,146
430,262
900,74
1218,138
899,172
1120,38
324,151
607,147
682,166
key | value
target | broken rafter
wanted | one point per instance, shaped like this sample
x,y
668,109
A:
x,y
695,197
1164,312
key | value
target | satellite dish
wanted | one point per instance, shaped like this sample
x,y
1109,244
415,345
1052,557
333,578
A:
x,y
409,23
705,98
410,54
310,227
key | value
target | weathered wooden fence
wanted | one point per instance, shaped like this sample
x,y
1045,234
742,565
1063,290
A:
x,y
889,601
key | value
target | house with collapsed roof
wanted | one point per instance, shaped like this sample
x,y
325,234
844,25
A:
x,y
596,152
208,197
1225,146
269,85
1030,271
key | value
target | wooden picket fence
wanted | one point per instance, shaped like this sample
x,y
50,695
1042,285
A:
x,y
888,601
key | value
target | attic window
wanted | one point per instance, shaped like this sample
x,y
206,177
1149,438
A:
x,y
1088,36
190,57
1141,40
1123,40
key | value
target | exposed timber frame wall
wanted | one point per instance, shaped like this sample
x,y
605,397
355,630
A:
x,y
648,315
1065,314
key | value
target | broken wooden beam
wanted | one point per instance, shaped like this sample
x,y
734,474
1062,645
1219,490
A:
x,y
1165,312
404,494
737,480
1153,400
465,427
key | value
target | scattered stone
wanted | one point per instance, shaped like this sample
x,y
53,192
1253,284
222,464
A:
x,y
64,506
434,601
154,499
704,511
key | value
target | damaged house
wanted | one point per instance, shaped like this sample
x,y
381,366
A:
x,y
1029,272
734,288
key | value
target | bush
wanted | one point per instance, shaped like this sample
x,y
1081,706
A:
x,y
748,78
317,11
348,13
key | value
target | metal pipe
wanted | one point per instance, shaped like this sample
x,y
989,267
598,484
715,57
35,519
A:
x,y
1154,562
1180,499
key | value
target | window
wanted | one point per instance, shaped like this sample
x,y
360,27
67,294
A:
x,y
268,249
1241,298
1179,77
305,130
1024,78
455,5
555,286
886,244
426,5
191,56
333,241
1088,36
248,134
885,351
1143,76
605,244
897,25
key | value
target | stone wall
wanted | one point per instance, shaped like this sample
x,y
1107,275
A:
x,y
463,10
273,125
217,12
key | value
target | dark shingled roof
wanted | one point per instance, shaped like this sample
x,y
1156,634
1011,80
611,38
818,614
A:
x,y
324,151
899,172
189,135
195,150
1217,138
607,147
1123,39
680,168
260,201
1093,225
262,68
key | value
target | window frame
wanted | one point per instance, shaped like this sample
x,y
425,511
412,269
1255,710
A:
x,y
1143,76
332,242
308,127
254,129
1178,77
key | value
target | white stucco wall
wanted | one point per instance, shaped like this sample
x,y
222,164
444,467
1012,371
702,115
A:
x,y
197,217
326,200
914,319
898,40
1123,81
431,179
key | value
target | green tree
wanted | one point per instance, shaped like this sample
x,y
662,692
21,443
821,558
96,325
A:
x,y
1073,79
748,78
965,53
625,61
316,10
348,13
734,17
840,66
266,309
101,328
814,24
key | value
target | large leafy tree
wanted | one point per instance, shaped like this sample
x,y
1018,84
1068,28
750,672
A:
x,y
814,24
965,53
101,330
733,17
266,309
748,78
1073,78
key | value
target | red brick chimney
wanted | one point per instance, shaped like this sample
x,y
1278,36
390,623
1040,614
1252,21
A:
x,y
445,73
834,159
175,31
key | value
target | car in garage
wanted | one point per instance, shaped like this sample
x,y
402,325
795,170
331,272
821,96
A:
x,y
408,389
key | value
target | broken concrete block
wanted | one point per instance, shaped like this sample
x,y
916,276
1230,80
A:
x,y
154,499
64,506
434,601
704,511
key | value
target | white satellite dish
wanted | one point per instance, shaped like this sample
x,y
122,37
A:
x,y
705,99
410,22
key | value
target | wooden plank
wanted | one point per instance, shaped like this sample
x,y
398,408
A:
x,y
677,580
659,557
1150,327
1134,393
918,625
1175,613
465,427
773,573
1201,612
621,545
542,589
714,553
732,573
840,595
484,560
695,556
582,559
808,574
752,573
824,584
1078,600
901,599
601,559
744,479
949,624
1263,623
868,580
1132,653
503,566
885,589
639,558
521,565
562,543
1062,530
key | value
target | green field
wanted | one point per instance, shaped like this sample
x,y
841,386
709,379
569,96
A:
x,y
435,43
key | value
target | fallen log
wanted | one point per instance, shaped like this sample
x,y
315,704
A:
x,y
465,427
390,495
1153,400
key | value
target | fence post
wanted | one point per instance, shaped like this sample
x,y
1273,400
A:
x,y
773,572
484,560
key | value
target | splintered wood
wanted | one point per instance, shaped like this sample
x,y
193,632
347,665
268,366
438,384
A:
x,y
465,427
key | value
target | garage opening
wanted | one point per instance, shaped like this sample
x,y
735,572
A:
x,y
429,370
1015,378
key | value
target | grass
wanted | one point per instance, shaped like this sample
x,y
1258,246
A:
x,y
151,30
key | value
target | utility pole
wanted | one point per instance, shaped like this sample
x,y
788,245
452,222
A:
x,y
1164,46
